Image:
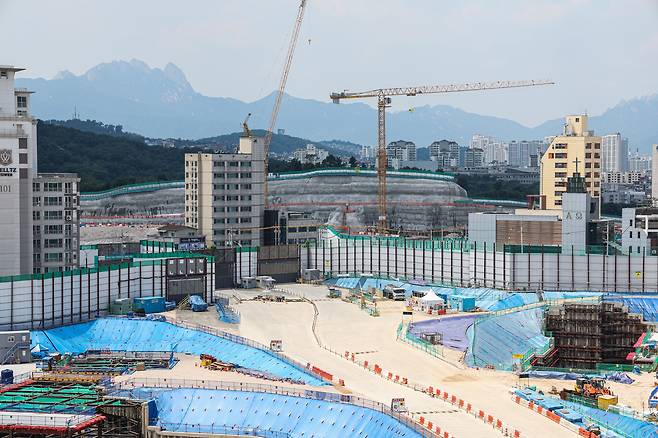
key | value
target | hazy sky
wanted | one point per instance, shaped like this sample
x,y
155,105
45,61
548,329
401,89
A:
x,y
598,51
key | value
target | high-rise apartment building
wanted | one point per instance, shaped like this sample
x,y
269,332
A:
x,y
519,152
576,150
445,153
224,194
56,223
614,153
474,157
34,225
18,166
401,150
639,163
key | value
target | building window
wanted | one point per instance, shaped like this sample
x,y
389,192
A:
x,y
36,201
36,215
52,187
560,165
22,143
22,173
21,101
22,158
560,174
558,202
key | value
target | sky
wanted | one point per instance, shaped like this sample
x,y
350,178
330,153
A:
x,y
599,52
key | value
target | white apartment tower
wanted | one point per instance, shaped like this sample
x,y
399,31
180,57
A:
x,y
38,231
18,166
224,194
614,153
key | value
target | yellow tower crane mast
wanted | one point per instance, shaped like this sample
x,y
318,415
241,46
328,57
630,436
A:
x,y
282,88
384,101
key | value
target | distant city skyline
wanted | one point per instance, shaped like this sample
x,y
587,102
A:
x,y
598,52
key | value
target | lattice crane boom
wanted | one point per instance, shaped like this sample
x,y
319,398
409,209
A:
x,y
383,102
282,87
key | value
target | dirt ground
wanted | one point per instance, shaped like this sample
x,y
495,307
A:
x,y
342,326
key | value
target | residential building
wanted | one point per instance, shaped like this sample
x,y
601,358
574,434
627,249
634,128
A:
x,y
445,153
224,194
402,150
367,153
519,153
577,150
18,166
639,163
614,153
310,155
39,224
622,177
56,222
474,158
494,150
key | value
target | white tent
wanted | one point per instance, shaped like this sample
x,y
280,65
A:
x,y
430,300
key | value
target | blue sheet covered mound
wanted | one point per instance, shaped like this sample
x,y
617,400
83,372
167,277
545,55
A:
x,y
645,306
494,339
121,334
219,411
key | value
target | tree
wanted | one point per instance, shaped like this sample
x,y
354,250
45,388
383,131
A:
x,y
332,161
353,162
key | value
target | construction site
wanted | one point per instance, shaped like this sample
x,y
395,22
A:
x,y
201,308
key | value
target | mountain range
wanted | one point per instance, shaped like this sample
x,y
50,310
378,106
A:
x,y
161,103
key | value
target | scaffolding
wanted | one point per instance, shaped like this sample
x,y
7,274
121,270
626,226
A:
x,y
41,408
587,334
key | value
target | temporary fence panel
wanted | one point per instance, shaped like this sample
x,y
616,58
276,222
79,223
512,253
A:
x,y
53,299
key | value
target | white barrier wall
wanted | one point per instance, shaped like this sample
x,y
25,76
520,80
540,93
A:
x,y
54,299
439,264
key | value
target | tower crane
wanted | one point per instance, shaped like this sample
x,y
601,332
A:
x,y
384,101
282,87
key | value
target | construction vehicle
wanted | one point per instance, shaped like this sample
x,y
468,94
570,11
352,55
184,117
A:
x,y
591,391
591,387
383,96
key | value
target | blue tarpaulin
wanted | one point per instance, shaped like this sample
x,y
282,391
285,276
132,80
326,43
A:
x,y
217,411
122,334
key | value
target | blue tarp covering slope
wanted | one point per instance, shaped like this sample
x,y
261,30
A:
x,y
121,334
494,339
647,307
208,411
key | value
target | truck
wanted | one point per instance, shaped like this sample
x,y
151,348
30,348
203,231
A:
x,y
394,293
